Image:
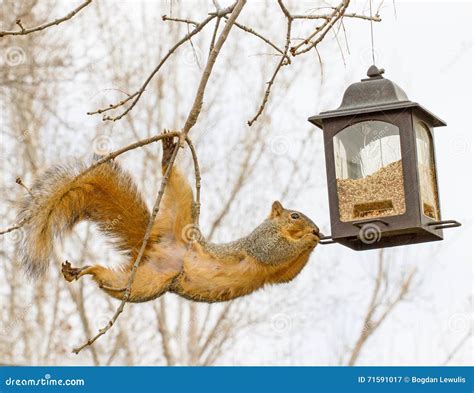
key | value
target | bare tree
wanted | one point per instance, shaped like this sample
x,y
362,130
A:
x,y
30,84
380,305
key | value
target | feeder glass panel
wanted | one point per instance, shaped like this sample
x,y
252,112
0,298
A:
x,y
426,172
369,175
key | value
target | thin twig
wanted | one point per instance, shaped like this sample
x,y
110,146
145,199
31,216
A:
x,y
132,146
139,92
197,176
324,28
181,20
14,227
330,20
114,106
214,34
339,46
284,10
19,181
198,100
375,18
24,31
253,32
283,61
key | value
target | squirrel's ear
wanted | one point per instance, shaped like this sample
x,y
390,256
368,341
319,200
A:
x,y
277,209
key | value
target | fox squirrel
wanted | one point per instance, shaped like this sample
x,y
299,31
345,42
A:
x,y
275,252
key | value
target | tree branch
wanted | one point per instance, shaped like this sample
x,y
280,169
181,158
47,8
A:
x,y
181,20
198,100
136,96
306,44
283,61
24,31
258,35
14,227
375,18
324,28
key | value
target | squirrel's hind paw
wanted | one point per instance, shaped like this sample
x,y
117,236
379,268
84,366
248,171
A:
x,y
71,273
168,148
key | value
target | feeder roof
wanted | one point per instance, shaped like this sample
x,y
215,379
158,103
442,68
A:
x,y
373,94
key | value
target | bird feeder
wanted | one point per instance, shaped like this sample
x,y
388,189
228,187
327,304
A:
x,y
381,167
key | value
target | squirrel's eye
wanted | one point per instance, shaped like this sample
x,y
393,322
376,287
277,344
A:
x,y
295,216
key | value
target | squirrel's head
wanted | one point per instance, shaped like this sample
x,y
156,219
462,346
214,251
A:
x,y
295,224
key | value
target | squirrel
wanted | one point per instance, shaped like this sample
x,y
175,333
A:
x,y
274,252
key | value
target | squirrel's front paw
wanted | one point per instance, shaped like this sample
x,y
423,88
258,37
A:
x,y
70,273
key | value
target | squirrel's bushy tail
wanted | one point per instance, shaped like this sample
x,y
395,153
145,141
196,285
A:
x,y
60,198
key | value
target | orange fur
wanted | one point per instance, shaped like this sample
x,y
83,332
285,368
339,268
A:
x,y
274,253
209,279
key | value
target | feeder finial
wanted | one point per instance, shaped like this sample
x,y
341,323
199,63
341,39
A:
x,y
375,72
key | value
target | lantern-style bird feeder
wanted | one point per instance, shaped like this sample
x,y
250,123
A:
x,y
381,168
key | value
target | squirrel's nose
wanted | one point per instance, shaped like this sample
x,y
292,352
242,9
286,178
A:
x,y
316,232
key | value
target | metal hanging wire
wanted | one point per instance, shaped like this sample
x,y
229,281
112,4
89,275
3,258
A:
x,y
372,32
